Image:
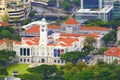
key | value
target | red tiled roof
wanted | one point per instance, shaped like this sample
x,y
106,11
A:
x,y
4,24
54,27
71,21
1,42
64,42
95,28
78,35
35,29
114,51
31,41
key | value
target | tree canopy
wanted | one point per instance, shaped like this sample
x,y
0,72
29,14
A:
x,y
45,70
73,56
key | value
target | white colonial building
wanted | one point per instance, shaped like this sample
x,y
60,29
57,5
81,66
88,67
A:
x,y
47,49
112,54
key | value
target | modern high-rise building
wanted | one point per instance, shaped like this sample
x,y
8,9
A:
x,y
94,9
90,4
14,9
116,9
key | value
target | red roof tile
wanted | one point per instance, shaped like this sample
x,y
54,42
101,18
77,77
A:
x,y
35,29
78,35
54,27
4,24
1,42
114,51
71,21
64,42
95,28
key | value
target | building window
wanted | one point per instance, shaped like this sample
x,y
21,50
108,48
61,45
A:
x,y
20,51
58,61
28,52
58,53
62,61
55,53
28,60
24,52
63,29
54,61
20,60
24,60
42,30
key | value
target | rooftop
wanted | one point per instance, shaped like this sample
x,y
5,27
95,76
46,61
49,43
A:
x,y
71,21
114,51
103,10
95,28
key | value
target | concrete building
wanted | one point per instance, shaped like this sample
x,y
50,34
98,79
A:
x,y
14,9
104,14
94,10
111,55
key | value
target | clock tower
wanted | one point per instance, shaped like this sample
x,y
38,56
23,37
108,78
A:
x,y
43,33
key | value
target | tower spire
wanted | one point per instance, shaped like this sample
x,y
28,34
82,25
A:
x,y
43,32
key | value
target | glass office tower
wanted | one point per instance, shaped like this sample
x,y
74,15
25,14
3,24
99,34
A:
x,y
116,9
89,4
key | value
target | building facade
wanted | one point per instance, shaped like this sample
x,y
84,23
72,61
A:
x,y
97,9
47,49
14,9
111,55
116,9
104,14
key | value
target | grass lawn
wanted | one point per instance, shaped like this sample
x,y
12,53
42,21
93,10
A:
x,y
21,68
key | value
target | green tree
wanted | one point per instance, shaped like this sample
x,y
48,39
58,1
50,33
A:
x,y
66,5
68,66
73,56
27,21
3,71
90,40
89,44
74,70
6,18
5,34
83,75
32,13
6,56
31,76
101,50
81,65
76,2
68,75
45,70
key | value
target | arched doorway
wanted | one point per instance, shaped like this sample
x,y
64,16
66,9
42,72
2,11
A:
x,y
43,60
